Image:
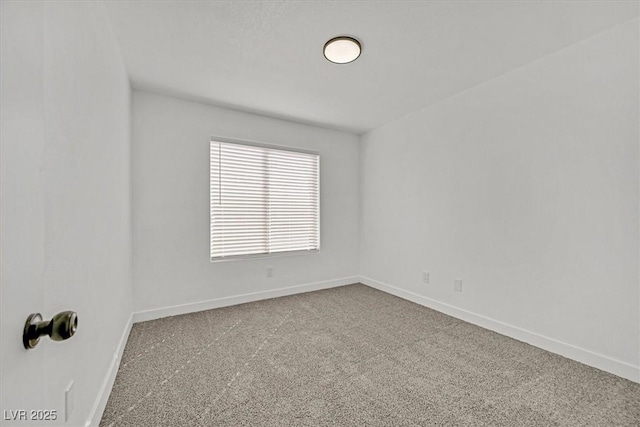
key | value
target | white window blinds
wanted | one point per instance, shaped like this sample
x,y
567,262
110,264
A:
x,y
263,200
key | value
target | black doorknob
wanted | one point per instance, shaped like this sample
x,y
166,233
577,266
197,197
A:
x,y
61,327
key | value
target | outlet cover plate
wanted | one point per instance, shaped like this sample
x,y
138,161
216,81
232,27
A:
x,y
69,401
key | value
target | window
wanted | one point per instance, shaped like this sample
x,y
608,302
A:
x,y
264,200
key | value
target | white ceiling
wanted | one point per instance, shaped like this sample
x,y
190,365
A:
x,y
266,57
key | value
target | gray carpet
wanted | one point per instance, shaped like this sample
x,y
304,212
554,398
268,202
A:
x,y
352,356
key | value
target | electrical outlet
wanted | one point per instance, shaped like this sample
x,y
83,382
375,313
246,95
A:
x,y
457,285
425,277
69,401
270,271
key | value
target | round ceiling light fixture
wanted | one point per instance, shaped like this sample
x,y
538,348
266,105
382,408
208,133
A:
x,y
342,50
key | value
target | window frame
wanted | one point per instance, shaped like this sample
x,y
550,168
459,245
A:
x,y
252,143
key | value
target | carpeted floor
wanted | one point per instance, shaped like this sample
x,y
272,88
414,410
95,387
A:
x,y
352,356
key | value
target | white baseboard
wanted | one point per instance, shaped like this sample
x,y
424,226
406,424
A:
x,y
157,313
605,363
103,395
105,391
587,357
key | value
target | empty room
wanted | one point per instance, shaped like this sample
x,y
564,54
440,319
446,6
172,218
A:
x,y
320,213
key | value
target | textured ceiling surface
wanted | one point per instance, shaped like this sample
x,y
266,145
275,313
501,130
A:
x,y
266,57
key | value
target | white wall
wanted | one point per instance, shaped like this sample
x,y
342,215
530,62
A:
x,y
66,201
526,188
171,207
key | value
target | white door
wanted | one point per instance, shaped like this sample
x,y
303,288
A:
x,y
23,373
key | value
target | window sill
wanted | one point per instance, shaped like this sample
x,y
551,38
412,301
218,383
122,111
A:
x,y
260,256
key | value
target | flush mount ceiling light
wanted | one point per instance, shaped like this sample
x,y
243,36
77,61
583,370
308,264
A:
x,y
342,50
